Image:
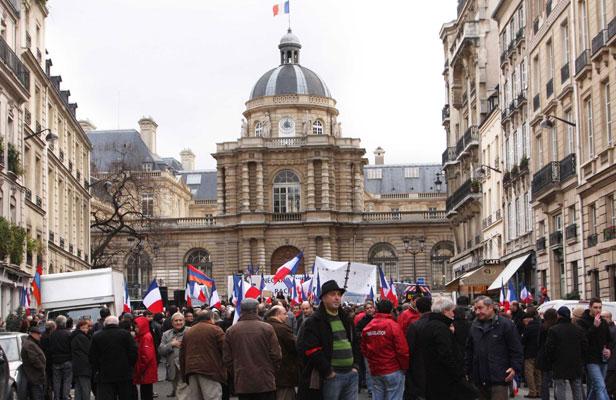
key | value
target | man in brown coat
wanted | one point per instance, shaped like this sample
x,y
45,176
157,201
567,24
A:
x,y
287,374
201,359
252,352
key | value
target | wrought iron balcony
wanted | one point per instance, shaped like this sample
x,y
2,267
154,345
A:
x,y
52,237
28,194
567,167
609,233
598,42
592,240
565,74
467,191
556,239
611,31
536,26
536,102
549,88
541,244
62,242
8,56
39,201
449,155
61,155
70,248
78,175
582,62
548,8
545,178
28,40
27,117
70,166
571,231
521,98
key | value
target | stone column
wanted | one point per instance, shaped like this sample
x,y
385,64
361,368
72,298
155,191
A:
x,y
245,253
231,190
260,188
325,183
358,187
245,199
310,186
327,247
261,255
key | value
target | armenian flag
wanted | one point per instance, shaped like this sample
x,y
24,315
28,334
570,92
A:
x,y
194,275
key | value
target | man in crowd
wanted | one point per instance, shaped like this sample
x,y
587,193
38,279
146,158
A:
x,y
328,366
361,320
599,343
565,348
287,374
530,342
384,346
113,353
493,351
410,315
33,362
306,311
252,353
416,376
610,379
60,352
201,363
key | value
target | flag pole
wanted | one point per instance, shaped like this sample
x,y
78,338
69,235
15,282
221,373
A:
x,y
289,14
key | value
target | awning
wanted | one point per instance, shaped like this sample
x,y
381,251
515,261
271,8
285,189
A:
x,y
482,276
508,272
453,285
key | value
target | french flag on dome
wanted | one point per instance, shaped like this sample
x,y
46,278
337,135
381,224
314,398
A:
x,y
281,7
290,267
152,300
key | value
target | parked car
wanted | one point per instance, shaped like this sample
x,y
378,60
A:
x,y
571,304
10,342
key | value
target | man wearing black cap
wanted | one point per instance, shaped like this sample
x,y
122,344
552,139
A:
x,y
565,348
329,369
34,362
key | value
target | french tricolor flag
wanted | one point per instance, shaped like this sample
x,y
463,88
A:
x,y
152,300
384,285
290,267
214,299
126,307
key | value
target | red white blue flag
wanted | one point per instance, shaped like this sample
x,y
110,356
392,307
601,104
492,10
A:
x,y
152,300
288,268
126,307
283,7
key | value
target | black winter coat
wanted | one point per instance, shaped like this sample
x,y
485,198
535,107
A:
x,y
541,361
80,351
444,367
60,346
530,338
491,349
565,347
416,375
315,344
113,353
462,328
598,338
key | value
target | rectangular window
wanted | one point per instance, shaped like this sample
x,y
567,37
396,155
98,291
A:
x,y
603,15
516,217
611,206
193,179
411,172
564,35
549,50
515,148
583,25
507,154
571,215
539,162
574,277
523,75
529,213
592,219
147,204
607,112
570,134
524,141
589,128
536,75
554,140
510,220
375,173
522,217
557,223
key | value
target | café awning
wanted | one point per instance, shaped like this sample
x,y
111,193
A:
x,y
508,272
482,276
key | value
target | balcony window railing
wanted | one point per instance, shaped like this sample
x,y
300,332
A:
x,y
592,240
28,194
546,176
8,56
536,102
609,233
571,231
445,112
541,242
465,190
449,155
39,201
52,237
556,238
581,62
564,73
536,26
567,167
549,88
611,29
599,41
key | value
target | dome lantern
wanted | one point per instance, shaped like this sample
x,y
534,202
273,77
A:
x,y
289,48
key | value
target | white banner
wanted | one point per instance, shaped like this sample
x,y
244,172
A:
x,y
361,277
270,286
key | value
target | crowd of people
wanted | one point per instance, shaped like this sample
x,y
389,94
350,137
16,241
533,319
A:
x,y
427,348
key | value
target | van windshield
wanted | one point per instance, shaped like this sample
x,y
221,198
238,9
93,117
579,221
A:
x,y
92,313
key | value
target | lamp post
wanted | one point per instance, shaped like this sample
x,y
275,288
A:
x,y
437,182
548,121
50,137
414,245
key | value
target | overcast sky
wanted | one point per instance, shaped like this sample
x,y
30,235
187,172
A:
x,y
191,64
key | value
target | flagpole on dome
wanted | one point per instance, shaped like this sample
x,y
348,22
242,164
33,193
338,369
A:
x,y
288,4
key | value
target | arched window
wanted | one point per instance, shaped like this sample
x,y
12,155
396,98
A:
x,y
439,257
200,259
286,192
258,129
317,127
138,274
384,255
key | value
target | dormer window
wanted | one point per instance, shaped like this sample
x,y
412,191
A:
x,y
147,166
258,129
317,127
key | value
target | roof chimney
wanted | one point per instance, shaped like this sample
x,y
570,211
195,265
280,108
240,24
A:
x,y
147,128
188,160
87,125
379,156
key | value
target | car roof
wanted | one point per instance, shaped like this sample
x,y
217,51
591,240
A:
x,y
12,334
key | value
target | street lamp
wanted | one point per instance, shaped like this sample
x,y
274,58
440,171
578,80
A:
x,y
414,245
547,121
482,170
50,137
438,183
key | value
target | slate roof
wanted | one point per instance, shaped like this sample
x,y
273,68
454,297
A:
x,y
393,179
290,79
205,189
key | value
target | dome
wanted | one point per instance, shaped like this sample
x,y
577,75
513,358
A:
x,y
290,77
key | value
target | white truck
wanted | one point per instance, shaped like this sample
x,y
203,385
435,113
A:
x,y
82,293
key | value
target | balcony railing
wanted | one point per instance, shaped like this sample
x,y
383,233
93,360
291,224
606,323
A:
x,y
556,238
465,190
62,242
609,233
406,216
28,40
70,166
592,240
445,112
39,201
286,217
27,117
567,167
61,155
548,8
287,142
611,29
541,244
52,237
28,194
536,102
571,231
565,74
546,176
195,222
70,248
549,88
449,155
8,56
536,26
582,62
599,41
521,97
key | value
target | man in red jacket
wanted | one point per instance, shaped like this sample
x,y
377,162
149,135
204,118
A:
x,y
408,316
385,347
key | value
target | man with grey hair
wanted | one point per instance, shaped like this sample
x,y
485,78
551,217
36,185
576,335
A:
x,y
493,351
252,354
113,353
60,354
444,369
288,373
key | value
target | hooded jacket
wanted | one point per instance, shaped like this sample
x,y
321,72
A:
x,y
146,368
384,346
